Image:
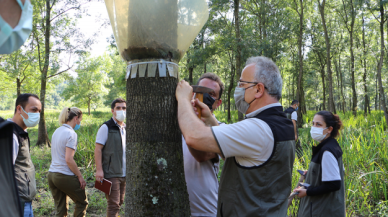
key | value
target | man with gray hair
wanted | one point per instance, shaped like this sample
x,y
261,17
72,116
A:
x,y
259,151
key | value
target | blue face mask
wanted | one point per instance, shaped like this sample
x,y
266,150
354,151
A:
x,y
33,118
296,109
77,126
13,39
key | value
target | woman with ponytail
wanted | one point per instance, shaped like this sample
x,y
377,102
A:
x,y
326,194
64,178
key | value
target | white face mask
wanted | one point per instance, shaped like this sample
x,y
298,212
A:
x,y
120,115
33,119
317,133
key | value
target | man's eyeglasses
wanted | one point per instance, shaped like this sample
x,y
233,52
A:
x,y
241,83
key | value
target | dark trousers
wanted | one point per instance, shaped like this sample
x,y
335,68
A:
x,y
64,186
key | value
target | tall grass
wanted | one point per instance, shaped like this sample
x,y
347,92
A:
x,y
363,141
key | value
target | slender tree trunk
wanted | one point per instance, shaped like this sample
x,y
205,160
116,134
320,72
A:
x,y
366,99
89,106
323,86
230,88
328,60
190,69
18,86
342,85
43,139
381,89
238,47
299,91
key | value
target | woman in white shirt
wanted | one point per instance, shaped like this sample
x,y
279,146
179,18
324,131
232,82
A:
x,y
326,194
64,178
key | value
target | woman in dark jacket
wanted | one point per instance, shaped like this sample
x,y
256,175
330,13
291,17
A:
x,y
326,194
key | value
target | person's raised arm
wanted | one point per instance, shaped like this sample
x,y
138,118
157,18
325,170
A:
x,y
69,157
197,135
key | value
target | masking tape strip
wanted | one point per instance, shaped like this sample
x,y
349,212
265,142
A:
x,y
162,65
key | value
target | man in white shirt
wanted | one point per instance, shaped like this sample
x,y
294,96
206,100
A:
x,y
259,151
292,114
27,114
109,155
201,168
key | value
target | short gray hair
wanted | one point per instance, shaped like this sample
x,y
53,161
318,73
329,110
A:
x,y
268,73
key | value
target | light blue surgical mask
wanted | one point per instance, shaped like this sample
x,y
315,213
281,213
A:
x,y
33,118
13,39
77,126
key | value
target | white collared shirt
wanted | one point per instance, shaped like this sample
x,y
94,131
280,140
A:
x,y
102,137
250,141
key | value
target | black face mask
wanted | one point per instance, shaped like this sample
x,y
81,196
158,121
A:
x,y
208,100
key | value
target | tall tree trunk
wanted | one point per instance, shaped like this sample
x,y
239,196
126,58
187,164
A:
x,y
230,88
89,106
238,47
342,84
18,86
328,60
381,89
366,99
43,139
323,87
190,69
299,91
155,176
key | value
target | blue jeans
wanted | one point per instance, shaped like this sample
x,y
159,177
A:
x,y
28,212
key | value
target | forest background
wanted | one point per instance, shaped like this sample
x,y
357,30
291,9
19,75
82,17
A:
x,y
332,56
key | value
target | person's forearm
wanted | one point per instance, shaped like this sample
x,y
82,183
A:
x,y
325,188
73,167
202,156
211,121
97,159
197,135
295,128
188,121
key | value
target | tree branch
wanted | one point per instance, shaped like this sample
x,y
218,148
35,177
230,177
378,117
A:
x,y
65,12
59,73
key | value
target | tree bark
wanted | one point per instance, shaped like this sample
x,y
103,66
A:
x,y
238,46
299,91
43,139
323,87
155,177
89,106
328,60
230,88
381,89
366,99
18,86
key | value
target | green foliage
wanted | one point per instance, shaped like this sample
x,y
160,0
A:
x,y
88,88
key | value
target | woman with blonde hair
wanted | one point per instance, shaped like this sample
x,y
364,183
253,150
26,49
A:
x,y
64,178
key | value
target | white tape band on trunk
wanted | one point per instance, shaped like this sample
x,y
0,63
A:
x,y
148,69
